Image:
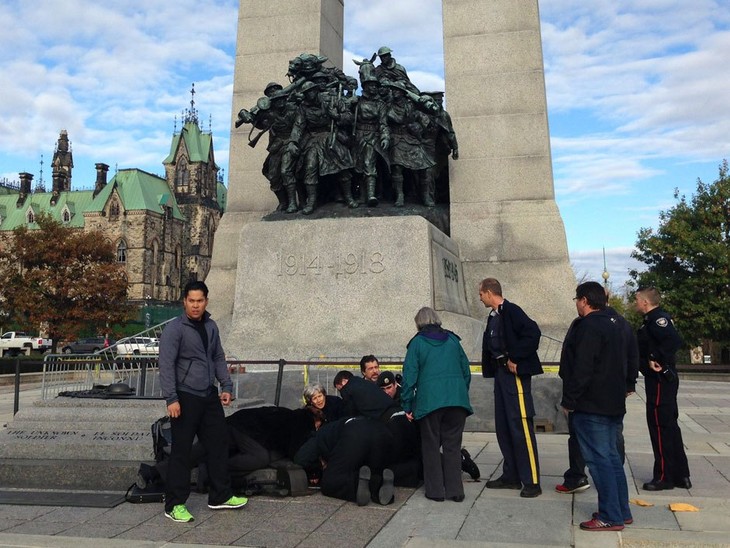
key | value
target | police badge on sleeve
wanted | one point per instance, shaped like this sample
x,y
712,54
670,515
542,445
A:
x,y
662,322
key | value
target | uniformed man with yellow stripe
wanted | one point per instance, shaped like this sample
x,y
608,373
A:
x,y
509,355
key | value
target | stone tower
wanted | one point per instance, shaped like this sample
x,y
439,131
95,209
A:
x,y
192,174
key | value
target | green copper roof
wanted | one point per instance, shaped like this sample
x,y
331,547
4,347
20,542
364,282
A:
x,y
198,144
137,190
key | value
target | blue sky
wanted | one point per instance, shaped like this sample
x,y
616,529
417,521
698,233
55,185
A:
x,y
636,90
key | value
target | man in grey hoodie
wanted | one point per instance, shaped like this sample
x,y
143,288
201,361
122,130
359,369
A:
x,y
191,359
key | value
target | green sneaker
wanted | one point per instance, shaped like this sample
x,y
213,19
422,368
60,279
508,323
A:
x,y
180,514
231,504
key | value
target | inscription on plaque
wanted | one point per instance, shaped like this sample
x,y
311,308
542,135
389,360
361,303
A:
x,y
339,264
71,435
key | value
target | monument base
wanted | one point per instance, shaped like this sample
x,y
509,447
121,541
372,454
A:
x,y
343,288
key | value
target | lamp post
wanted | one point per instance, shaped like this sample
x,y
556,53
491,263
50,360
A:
x,y
147,315
605,274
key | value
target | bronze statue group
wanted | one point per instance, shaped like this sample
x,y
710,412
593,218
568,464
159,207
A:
x,y
327,143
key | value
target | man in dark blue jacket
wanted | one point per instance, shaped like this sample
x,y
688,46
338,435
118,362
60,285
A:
x,y
509,355
191,359
593,368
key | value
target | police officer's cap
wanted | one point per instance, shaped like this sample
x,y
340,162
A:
x,y
384,50
386,378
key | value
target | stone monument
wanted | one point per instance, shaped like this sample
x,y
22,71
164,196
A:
x,y
345,287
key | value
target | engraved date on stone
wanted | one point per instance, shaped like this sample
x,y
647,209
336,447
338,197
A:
x,y
339,264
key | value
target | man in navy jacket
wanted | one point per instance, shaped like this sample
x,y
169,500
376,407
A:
x,y
509,355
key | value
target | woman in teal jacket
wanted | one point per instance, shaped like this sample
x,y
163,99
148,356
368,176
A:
x,y
435,392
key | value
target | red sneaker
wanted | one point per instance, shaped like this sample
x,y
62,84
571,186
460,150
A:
x,y
598,525
626,521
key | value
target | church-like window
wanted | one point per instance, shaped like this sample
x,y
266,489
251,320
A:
x,y
30,216
122,252
66,216
114,209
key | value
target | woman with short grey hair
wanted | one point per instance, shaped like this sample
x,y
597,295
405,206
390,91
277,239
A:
x,y
436,367
331,407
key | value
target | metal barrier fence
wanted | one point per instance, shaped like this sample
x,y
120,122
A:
x,y
134,361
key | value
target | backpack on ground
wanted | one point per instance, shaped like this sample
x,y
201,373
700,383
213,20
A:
x,y
161,438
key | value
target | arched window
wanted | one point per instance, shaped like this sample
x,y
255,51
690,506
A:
x,y
30,216
114,209
66,216
122,251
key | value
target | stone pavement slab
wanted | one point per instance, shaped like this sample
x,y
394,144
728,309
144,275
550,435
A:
x,y
485,518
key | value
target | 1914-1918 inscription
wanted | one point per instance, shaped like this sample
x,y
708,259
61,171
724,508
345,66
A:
x,y
339,264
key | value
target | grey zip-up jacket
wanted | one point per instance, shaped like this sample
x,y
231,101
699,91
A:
x,y
184,364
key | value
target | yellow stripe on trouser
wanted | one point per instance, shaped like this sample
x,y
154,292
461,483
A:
x,y
526,428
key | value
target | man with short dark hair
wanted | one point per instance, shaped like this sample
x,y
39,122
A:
x,y
658,345
370,367
594,393
509,355
191,360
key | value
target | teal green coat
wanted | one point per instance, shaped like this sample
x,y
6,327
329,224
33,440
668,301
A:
x,y
436,373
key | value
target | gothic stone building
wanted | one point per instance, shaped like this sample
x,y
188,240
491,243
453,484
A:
x,y
162,229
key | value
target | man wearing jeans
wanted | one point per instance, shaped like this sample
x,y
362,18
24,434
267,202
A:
x,y
594,392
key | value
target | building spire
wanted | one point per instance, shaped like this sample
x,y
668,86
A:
x,y
191,115
40,186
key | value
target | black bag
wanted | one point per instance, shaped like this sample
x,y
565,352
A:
x,y
161,438
154,492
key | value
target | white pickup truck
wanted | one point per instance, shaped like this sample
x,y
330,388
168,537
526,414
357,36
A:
x,y
15,342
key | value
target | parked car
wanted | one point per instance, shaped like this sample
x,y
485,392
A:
x,y
89,345
15,342
135,346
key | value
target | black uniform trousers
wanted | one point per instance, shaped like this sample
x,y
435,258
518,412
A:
x,y
670,460
362,442
204,417
513,416
442,429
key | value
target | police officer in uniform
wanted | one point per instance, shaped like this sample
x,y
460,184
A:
x,y
658,344
509,355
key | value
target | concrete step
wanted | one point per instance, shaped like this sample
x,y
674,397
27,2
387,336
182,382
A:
x,y
86,474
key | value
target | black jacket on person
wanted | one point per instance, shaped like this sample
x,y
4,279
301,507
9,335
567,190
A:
x,y
363,397
592,366
521,340
276,428
658,341
632,349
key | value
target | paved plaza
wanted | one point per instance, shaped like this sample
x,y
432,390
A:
x,y
485,518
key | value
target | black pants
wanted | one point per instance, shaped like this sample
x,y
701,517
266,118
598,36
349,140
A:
x,y
204,417
442,429
513,416
362,442
670,460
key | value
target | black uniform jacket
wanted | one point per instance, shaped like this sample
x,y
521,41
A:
x,y
592,366
658,341
521,339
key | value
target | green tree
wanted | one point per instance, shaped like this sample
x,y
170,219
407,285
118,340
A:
x,y
62,278
688,260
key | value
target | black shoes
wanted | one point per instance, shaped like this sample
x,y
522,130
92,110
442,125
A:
x,y
362,497
656,485
531,491
458,498
683,483
468,465
435,499
501,483
386,492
